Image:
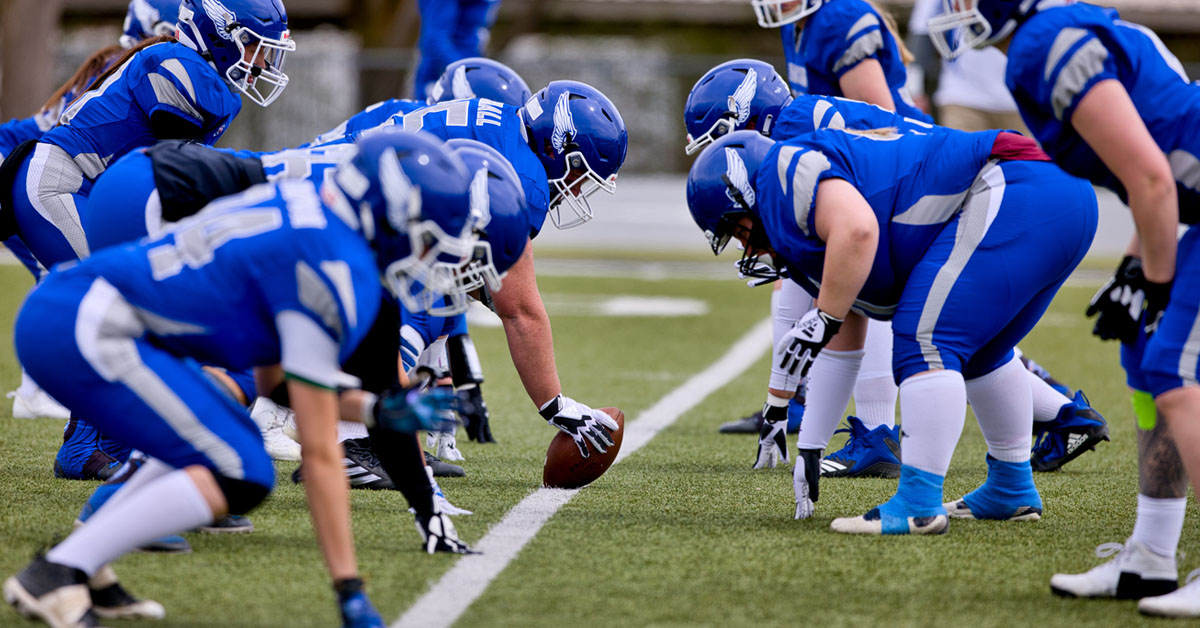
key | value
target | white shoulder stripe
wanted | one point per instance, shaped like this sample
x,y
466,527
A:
x,y
866,21
167,94
175,66
804,186
1086,63
1065,40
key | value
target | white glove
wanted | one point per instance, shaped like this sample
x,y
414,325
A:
x,y
447,447
438,535
581,423
772,438
801,344
806,476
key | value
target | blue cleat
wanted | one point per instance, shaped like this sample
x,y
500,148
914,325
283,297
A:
x,y
80,456
916,508
867,453
1076,430
356,607
1008,494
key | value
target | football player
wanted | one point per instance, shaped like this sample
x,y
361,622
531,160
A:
x,y
911,227
726,99
1109,103
108,337
450,30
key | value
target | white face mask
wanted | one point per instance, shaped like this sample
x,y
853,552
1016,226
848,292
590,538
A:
x,y
262,84
776,13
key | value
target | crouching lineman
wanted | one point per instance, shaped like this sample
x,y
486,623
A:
x,y
919,229
281,274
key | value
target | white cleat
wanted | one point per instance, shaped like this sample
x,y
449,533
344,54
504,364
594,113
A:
x,y
272,420
111,601
875,523
37,405
1135,572
1183,602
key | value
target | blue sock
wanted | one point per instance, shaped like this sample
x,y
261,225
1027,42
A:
x,y
795,414
1009,486
919,495
99,496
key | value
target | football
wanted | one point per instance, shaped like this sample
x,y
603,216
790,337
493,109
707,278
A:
x,y
565,468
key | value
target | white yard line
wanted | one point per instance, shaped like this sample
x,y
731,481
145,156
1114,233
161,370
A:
x,y
450,596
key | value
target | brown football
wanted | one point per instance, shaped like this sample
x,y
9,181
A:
x,y
565,468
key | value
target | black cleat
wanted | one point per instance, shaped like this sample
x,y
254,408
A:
x,y
55,594
443,469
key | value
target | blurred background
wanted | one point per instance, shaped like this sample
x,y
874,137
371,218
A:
x,y
644,54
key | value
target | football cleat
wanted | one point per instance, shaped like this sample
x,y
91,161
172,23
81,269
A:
x,y
55,594
751,424
37,405
273,421
876,522
868,453
1076,430
362,466
1182,602
1134,573
229,524
443,469
111,601
806,478
1007,495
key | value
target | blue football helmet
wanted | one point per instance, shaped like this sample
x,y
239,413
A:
x,y
504,229
736,95
720,193
411,197
775,13
964,24
245,40
480,77
580,137
146,18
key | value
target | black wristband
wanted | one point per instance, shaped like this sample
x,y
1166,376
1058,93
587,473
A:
x,y
347,586
554,407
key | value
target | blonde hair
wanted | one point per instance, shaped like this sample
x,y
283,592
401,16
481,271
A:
x,y
881,133
889,21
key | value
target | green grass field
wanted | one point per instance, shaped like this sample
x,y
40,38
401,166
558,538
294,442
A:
x,y
682,533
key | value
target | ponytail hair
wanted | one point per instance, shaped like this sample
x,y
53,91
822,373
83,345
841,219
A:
x,y
889,20
83,75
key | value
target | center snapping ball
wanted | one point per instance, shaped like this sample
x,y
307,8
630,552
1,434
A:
x,y
565,468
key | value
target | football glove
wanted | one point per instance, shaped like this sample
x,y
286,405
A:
x,y
408,410
474,413
581,423
801,344
806,477
447,446
357,610
772,438
1117,305
438,535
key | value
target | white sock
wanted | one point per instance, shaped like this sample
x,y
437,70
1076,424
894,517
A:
x,y
28,387
829,384
1159,523
933,408
351,429
1002,404
788,304
169,505
875,391
151,469
1046,401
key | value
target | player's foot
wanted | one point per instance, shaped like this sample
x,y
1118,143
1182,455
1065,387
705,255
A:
x,y
173,544
443,469
916,508
111,601
751,424
272,420
1076,430
362,466
1134,573
806,481
229,524
36,405
876,522
868,453
1182,602
55,594
1007,495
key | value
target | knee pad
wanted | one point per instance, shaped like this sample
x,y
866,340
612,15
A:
x,y
241,495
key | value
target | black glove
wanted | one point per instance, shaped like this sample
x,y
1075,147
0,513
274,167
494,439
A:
x,y
438,535
474,413
1157,297
801,344
581,423
1118,303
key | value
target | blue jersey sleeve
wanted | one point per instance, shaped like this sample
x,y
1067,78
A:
x,y
848,33
16,131
1055,70
187,88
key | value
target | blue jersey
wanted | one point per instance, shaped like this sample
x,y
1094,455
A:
x,y
268,276
914,183
105,123
807,113
376,115
16,131
312,163
1059,54
834,40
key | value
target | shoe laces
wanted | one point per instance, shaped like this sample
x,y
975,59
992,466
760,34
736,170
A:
x,y
857,439
1104,550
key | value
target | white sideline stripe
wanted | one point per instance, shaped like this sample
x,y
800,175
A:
x,y
450,596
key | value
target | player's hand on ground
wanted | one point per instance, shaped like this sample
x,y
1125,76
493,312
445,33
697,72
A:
x,y
474,413
438,535
1117,305
408,410
801,344
581,423
772,438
